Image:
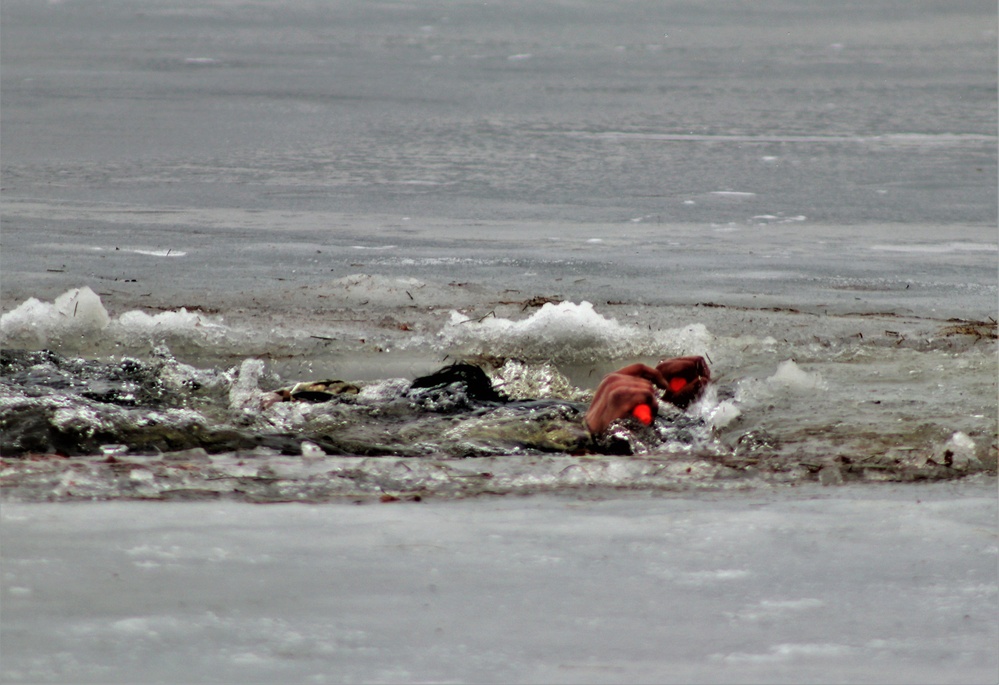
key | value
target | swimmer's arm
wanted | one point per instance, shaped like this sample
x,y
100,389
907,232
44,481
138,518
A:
x,y
680,381
620,392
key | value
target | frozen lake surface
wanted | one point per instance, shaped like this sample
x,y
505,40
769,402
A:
x,y
889,584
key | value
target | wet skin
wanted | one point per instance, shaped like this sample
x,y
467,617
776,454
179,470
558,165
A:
x,y
679,381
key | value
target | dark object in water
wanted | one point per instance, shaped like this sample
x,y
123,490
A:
x,y
478,386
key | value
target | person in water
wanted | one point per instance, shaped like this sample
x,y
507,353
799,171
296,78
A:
x,y
633,391
456,411
679,381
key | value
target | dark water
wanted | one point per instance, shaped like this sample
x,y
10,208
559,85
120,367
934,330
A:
x,y
164,430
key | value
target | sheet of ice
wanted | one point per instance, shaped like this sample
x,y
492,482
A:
x,y
858,585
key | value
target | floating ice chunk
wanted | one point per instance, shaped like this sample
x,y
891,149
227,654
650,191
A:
x,y
778,218
565,322
79,314
311,450
32,321
790,375
78,311
383,391
958,452
788,379
714,576
568,332
181,377
134,626
136,323
554,328
245,394
84,307
721,414
769,610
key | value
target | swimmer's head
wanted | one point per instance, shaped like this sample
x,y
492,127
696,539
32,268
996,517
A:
x,y
686,378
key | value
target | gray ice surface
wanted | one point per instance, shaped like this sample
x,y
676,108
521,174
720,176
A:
x,y
200,153
804,585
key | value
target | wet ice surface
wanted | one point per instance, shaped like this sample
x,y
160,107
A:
x,y
894,584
